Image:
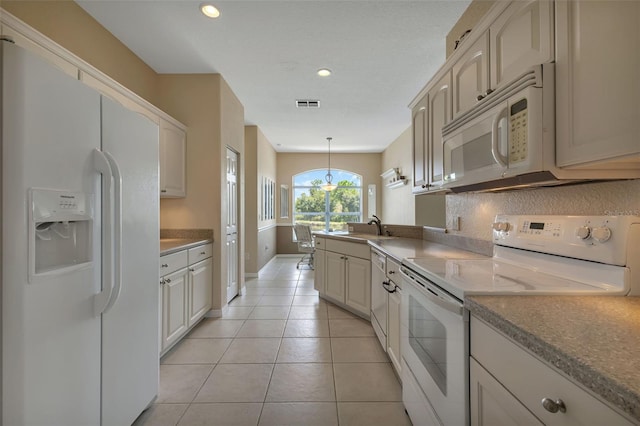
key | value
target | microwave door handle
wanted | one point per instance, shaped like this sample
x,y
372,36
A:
x,y
495,148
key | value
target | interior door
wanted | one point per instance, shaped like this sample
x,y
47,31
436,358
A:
x,y
232,224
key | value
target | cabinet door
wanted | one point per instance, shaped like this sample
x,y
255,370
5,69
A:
x,y
521,37
439,113
597,84
419,127
393,330
471,76
334,276
174,306
200,281
492,404
319,260
358,280
173,149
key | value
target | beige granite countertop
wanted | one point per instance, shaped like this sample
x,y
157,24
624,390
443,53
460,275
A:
x,y
398,248
173,245
595,340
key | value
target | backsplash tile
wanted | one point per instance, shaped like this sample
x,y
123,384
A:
x,y
477,211
190,234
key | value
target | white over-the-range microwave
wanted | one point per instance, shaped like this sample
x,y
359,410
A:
x,y
507,140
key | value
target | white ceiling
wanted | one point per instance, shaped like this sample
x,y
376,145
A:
x,y
381,54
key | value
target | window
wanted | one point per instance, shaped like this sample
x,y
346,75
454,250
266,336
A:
x,y
267,197
327,210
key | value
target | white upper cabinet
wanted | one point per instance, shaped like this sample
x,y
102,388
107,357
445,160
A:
x,y
439,113
420,126
521,37
173,151
598,84
471,75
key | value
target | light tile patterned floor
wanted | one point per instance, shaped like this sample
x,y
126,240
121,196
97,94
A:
x,y
280,356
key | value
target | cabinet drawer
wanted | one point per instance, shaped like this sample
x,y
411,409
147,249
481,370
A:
x,y
530,380
172,262
349,249
320,243
199,253
393,272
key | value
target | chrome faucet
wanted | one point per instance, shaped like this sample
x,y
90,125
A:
x,y
378,224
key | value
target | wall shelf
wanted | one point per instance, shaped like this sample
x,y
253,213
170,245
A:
x,y
392,178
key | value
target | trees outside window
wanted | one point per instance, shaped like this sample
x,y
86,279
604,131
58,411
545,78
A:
x,y
327,210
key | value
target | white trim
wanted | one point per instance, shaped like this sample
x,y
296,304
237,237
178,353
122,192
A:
x,y
251,275
284,224
43,41
267,227
214,313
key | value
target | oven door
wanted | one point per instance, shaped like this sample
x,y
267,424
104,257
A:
x,y
435,346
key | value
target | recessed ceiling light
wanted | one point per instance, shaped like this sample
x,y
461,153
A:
x,y
324,72
209,10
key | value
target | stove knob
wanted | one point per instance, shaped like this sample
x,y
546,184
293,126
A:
x,y
584,232
501,226
601,234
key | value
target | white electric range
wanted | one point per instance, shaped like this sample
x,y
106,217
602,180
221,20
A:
x,y
541,255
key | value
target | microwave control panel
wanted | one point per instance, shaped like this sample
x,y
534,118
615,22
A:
x,y
518,132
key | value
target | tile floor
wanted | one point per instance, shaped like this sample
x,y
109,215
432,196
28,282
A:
x,y
280,356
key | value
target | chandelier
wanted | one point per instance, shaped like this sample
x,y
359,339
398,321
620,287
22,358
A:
x,y
329,186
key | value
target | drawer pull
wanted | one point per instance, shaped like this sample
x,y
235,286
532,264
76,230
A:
x,y
165,265
163,191
168,280
192,269
202,253
162,281
392,272
554,406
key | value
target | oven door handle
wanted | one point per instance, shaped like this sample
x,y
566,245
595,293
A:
x,y
433,296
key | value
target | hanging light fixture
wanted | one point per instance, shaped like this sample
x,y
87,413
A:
x,y
329,186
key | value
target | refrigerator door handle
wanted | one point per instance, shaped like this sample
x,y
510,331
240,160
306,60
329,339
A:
x,y
117,230
101,300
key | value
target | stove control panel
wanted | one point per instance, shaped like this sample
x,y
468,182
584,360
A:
x,y
597,238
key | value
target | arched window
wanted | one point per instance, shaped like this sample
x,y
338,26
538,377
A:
x,y
327,210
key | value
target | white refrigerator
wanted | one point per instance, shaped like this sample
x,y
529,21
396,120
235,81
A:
x,y
80,251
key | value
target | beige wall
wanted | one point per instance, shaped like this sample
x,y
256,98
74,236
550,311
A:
x,y
69,25
398,204
260,237
476,10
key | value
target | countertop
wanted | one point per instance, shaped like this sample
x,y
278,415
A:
x,y
595,340
173,245
398,248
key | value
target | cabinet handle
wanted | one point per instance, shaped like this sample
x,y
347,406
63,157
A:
x,y
192,269
168,280
202,253
488,92
392,272
162,281
480,97
387,283
165,265
554,406
163,190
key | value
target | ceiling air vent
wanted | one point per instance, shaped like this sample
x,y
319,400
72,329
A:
x,y
307,103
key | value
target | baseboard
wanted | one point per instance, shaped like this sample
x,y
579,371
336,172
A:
x,y
251,274
214,313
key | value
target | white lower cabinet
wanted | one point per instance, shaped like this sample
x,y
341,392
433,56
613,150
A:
x,y
393,330
186,292
344,274
174,306
199,290
511,386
